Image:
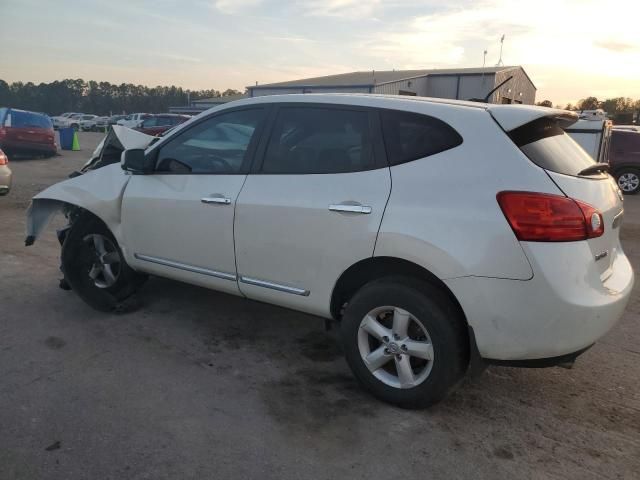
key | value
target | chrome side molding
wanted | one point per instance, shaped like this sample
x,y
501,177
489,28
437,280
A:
x,y
275,286
186,267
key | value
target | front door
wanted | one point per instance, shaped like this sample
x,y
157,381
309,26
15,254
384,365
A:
x,y
178,221
313,207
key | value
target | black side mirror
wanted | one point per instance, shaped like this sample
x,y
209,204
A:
x,y
135,161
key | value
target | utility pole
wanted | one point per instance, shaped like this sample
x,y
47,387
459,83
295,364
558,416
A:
x,y
500,64
484,61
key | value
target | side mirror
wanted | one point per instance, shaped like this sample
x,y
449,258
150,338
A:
x,y
135,161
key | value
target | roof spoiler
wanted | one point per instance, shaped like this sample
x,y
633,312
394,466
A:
x,y
510,117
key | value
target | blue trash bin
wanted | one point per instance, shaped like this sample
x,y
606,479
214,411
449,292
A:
x,y
66,138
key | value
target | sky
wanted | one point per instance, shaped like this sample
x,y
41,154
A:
x,y
570,48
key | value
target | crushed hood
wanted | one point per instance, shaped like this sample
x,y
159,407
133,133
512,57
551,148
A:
x,y
111,147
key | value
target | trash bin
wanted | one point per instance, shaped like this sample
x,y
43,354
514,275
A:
x,y
66,138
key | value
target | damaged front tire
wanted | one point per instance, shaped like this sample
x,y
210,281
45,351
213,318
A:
x,y
94,266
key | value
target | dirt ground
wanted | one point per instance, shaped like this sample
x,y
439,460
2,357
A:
x,y
197,384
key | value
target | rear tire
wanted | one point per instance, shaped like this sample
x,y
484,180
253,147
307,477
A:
x,y
628,180
414,366
94,266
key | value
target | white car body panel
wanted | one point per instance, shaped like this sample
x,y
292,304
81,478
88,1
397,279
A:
x,y
524,300
99,191
467,233
164,220
305,245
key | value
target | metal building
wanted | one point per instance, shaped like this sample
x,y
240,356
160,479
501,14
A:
x,y
459,83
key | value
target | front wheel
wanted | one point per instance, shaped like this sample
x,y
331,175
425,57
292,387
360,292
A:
x,y
629,181
404,341
94,266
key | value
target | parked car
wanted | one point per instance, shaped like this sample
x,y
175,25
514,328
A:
x,y
514,260
5,174
631,128
26,132
624,158
113,120
594,136
88,122
57,120
75,121
132,120
158,124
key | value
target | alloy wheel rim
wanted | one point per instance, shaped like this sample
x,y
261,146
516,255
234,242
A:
x,y
105,263
396,347
628,182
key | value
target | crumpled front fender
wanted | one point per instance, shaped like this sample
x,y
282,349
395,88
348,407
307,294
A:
x,y
98,191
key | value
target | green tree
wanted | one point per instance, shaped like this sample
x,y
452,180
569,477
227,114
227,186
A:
x,y
545,103
589,103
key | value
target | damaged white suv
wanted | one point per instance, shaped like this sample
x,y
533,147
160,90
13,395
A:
x,y
443,235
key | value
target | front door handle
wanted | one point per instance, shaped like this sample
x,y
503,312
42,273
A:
x,y
217,199
364,209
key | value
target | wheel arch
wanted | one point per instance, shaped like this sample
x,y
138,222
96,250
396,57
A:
x,y
372,268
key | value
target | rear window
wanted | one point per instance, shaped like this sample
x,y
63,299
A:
x,y
410,136
548,146
29,119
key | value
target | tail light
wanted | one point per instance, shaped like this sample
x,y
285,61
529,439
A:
x,y
3,158
542,217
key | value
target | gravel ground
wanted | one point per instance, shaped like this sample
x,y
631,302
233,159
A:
x,y
197,384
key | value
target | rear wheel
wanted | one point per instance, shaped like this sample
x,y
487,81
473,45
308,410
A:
x,y
404,341
94,266
629,181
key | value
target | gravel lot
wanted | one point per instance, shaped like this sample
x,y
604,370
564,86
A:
x,y
197,384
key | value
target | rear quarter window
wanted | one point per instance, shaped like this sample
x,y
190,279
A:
x,y
410,136
548,146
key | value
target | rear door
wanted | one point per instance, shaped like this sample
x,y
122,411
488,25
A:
x,y
312,206
549,147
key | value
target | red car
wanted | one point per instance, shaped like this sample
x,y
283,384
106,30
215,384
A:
x,y
26,132
158,124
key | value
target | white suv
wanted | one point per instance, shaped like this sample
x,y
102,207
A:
x,y
443,235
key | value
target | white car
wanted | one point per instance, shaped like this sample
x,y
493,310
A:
x,y
57,120
88,122
76,120
132,120
443,235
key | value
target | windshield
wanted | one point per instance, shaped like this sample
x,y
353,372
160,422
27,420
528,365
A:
x,y
548,146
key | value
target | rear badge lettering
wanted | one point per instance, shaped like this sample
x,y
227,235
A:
x,y
600,256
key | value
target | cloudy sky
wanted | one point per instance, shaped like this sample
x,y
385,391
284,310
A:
x,y
570,48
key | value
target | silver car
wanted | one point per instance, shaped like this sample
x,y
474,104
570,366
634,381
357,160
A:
x,y
5,174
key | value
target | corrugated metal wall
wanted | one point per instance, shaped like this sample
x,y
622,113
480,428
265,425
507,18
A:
x,y
415,85
519,89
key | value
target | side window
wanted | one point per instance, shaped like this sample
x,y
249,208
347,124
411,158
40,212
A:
x,y
217,145
410,136
319,140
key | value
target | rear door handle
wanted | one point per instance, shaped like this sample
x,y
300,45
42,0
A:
x,y
363,209
217,199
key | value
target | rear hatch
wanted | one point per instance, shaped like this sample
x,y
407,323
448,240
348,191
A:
x,y
545,143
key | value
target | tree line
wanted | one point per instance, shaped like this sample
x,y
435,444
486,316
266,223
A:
x,y
100,98
613,106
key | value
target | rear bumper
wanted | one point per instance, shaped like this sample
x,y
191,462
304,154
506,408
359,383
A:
x,y
5,180
28,147
563,309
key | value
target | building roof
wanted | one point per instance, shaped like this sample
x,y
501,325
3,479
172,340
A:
x,y
372,77
217,100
